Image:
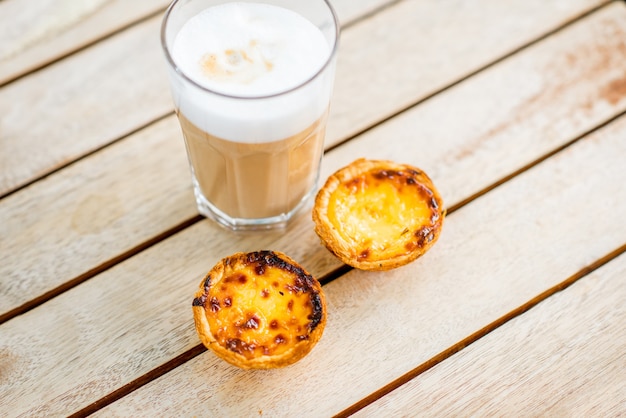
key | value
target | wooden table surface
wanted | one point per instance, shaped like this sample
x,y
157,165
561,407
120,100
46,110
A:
x,y
517,111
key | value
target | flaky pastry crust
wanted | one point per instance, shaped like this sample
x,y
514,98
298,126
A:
x,y
259,310
377,214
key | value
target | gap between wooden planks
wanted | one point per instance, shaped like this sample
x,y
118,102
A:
x,y
50,122
144,209
348,13
528,240
42,33
565,357
132,66
170,251
340,271
386,394
44,41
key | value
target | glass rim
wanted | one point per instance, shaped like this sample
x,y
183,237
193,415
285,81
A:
x,y
181,73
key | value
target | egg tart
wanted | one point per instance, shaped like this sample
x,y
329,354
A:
x,y
259,310
378,215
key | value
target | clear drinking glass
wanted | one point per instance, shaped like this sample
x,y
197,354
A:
x,y
254,160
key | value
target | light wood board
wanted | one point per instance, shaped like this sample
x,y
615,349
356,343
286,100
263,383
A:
x,y
34,33
42,115
476,268
564,357
498,120
494,255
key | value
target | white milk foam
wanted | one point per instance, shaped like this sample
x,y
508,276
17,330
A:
x,y
248,50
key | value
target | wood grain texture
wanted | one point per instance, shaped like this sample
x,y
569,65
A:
x,y
81,345
349,11
89,212
34,33
422,45
81,103
526,106
565,357
119,85
99,216
494,255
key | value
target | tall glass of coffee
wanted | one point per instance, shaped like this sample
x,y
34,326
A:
x,y
251,83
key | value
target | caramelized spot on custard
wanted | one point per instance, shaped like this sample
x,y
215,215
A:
x,y
433,203
237,277
290,305
265,293
364,254
228,302
386,174
214,304
199,301
252,322
239,346
318,311
356,183
207,283
424,235
280,339
274,324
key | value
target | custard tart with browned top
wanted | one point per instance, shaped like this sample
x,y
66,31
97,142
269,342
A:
x,y
259,310
378,215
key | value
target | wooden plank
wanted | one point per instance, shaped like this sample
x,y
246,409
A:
x,y
424,58
81,103
565,357
129,320
494,255
350,11
34,33
82,214
515,126
526,106
43,115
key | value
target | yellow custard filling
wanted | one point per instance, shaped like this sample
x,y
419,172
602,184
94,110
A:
x,y
376,214
255,315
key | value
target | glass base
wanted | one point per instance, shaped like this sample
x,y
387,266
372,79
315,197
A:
x,y
242,224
